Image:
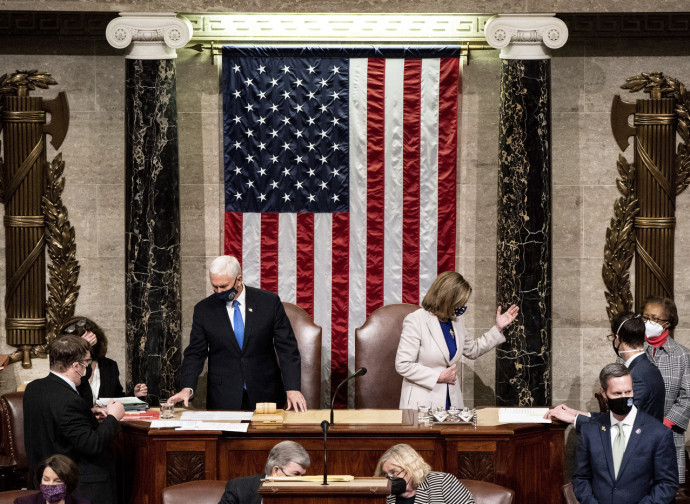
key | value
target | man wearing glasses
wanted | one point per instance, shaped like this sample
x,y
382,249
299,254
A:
x,y
287,458
58,421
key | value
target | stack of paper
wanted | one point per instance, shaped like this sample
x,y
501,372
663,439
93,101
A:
x,y
130,403
523,415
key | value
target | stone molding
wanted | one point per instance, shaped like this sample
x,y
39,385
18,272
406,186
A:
x,y
337,27
149,36
526,37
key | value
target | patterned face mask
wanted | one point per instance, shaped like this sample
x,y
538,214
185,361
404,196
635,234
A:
x,y
54,493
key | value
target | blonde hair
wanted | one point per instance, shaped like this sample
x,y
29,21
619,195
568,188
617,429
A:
x,y
405,457
449,291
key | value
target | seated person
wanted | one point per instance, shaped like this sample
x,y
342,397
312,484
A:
x,y
103,376
627,338
59,478
287,458
423,486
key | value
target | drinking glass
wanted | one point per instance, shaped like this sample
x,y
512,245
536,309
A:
x,y
423,410
167,410
440,413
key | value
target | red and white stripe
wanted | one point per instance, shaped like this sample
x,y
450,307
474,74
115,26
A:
x,y
400,231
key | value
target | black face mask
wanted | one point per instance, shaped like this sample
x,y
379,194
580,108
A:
x,y
227,296
620,405
460,311
398,485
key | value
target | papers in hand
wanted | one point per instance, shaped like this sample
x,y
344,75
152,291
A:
x,y
130,403
523,415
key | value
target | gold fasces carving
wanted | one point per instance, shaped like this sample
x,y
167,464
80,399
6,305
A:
x,y
25,79
63,269
59,118
670,88
620,243
622,131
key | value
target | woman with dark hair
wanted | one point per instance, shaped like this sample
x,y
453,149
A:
x,y
103,376
660,317
59,476
422,485
434,338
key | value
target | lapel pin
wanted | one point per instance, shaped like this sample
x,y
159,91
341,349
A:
x,y
250,310
603,428
638,431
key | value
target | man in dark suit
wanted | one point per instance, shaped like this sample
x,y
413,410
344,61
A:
x,y
626,456
243,331
627,338
58,421
287,458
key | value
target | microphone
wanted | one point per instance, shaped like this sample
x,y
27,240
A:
x,y
360,372
324,428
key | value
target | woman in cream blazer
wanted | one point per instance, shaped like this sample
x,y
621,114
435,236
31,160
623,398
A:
x,y
423,358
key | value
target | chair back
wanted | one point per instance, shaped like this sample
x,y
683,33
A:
x,y
198,492
376,344
12,418
488,493
9,496
308,337
569,494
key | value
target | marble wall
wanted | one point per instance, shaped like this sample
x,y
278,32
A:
x,y
585,76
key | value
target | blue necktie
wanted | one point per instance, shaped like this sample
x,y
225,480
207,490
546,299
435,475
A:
x,y
239,323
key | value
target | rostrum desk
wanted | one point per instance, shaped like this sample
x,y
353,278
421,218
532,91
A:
x,y
528,458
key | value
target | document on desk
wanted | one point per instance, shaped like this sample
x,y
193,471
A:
x,y
523,415
217,416
211,426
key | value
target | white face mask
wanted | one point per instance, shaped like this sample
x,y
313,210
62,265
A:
x,y
653,329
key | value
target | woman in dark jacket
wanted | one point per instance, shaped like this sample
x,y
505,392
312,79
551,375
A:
x,y
103,376
59,478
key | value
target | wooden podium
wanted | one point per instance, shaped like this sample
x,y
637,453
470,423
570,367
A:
x,y
357,491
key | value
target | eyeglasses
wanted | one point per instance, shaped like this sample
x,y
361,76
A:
x,y
394,474
88,362
645,318
610,336
78,328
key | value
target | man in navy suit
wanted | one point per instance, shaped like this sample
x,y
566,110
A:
x,y
627,338
244,332
626,456
287,458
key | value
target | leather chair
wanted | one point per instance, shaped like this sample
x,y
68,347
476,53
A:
x,y
569,494
376,344
488,493
308,337
15,466
9,496
198,492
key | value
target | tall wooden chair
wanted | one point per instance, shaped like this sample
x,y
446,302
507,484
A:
x,y
376,344
198,492
308,337
14,465
488,493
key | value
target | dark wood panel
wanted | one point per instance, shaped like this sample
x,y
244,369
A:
x,y
526,458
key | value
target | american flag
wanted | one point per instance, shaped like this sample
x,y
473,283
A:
x,y
340,179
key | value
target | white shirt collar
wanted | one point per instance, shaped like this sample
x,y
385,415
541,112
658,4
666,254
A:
x,y
69,382
629,361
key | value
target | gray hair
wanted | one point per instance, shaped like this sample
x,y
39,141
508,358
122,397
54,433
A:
x,y
615,370
225,265
285,452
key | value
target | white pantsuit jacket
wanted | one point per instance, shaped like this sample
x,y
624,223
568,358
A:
x,y
423,354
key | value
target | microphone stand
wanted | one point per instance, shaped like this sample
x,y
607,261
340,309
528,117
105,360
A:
x,y
359,372
324,427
